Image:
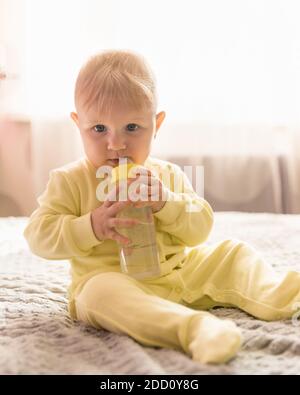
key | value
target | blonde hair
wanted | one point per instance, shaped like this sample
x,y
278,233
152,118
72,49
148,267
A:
x,y
116,77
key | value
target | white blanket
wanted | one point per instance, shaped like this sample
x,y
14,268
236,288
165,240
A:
x,y
37,336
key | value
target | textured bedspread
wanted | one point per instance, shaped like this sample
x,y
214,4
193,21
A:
x,y
37,336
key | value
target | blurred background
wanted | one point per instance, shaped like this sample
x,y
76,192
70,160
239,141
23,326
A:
x,y
228,77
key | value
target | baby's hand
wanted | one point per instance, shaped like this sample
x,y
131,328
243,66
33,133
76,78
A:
x,y
104,220
150,188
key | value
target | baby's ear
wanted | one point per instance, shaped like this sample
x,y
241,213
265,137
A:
x,y
74,116
159,119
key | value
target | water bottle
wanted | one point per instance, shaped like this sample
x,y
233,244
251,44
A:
x,y
139,258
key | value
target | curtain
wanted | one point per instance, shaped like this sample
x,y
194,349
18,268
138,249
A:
x,y
255,179
54,144
253,170
227,76
290,165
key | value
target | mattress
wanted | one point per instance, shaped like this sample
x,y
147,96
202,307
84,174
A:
x,y
38,337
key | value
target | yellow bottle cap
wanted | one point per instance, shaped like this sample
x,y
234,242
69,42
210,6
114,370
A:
x,y
123,172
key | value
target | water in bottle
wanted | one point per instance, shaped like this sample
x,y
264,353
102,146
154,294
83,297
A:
x,y
139,258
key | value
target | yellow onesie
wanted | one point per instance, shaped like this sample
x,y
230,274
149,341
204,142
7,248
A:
x,y
167,311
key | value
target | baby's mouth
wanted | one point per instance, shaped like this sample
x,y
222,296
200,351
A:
x,y
113,162
117,161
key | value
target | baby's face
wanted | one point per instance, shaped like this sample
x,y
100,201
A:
x,y
125,133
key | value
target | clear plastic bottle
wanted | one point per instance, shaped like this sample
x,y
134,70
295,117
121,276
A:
x,y
140,258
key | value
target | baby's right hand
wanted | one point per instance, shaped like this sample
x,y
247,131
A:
x,y
104,221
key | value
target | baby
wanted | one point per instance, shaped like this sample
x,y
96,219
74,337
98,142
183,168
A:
x,y
116,113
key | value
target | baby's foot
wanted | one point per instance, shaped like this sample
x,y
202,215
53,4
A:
x,y
214,340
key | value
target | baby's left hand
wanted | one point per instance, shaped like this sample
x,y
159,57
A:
x,y
147,190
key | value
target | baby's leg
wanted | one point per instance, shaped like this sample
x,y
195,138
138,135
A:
x,y
233,272
121,304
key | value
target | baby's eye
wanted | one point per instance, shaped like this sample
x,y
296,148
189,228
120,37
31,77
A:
x,y
99,128
132,127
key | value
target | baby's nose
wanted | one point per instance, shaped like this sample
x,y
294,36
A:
x,y
116,142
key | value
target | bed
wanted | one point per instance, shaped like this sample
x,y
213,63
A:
x,y
38,337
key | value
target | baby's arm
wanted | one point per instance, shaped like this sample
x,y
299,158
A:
x,y
176,218
55,230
